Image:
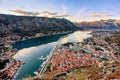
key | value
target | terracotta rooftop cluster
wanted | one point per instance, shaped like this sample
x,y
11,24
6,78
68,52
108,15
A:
x,y
66,60
9,73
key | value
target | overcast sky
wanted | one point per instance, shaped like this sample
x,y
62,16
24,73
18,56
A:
x,y
74,10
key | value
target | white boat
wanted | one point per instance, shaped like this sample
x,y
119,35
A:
x,y
42,58
42,64
36,72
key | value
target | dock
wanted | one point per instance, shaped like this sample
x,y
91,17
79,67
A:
x,y
16,73
44,66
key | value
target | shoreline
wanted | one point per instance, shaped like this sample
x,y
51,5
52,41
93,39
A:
x,y
42,70
94,55
17,71
33,37
52,49
47,60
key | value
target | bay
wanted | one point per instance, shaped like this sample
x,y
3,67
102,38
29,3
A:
x,y
30,50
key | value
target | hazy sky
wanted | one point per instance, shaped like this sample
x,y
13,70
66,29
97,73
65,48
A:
x,y
74,10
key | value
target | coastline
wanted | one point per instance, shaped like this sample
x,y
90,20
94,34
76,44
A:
x,y
42,70
52,49
17,71
32,37
46,62
94,55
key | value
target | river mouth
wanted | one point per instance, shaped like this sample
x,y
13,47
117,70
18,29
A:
x,y
30,50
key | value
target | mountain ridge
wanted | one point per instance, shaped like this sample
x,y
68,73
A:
x,y
10,24
110,24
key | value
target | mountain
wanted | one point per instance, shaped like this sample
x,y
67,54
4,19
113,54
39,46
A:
x,y
26,25
110,24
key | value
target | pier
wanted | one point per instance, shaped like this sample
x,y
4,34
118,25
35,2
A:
x,y
16,73
44,66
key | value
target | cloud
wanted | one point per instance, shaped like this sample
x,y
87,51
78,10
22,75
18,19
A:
x,y
99,15
28,13
42,13
47,12
62,16
25,13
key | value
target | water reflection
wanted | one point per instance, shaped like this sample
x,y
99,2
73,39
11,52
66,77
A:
x,y
27,52
30,55
76,37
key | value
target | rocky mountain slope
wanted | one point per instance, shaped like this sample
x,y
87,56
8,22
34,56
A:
x,y
100,25
24,25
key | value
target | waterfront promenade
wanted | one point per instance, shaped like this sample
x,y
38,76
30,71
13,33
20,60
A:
x,y
53,51
45,63
44,67
16,73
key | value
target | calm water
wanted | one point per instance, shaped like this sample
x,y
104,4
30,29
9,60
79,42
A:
x,y
30,50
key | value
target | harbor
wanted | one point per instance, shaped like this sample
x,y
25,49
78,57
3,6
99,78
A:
x,y
39,54
17,71
38,62
53,51
44,66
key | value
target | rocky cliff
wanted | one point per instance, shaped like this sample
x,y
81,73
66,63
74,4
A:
x,y
28,26
100,25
